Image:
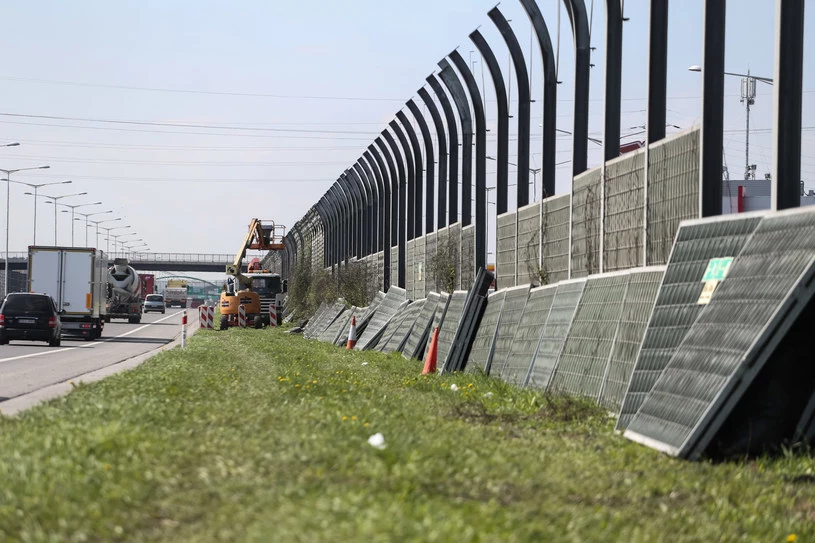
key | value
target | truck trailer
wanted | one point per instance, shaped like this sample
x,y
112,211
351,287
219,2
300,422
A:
x,y
124,292
76,278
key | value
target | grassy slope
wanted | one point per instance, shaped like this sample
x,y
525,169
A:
x,y
260,436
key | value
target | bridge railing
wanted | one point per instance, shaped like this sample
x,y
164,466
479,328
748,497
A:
x,y
192,258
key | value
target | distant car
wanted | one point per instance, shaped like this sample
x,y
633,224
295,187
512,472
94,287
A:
x,y
154,302
30,316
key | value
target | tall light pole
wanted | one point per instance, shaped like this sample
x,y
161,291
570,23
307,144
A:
x,y
36,187
533,171
86,215
122,244
8,207
97,223
748,98
135,243
73,207
55,200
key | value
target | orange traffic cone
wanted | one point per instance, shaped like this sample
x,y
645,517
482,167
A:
x,y
432,353
352,334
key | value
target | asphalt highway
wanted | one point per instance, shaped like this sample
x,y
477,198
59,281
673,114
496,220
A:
x,y
28,366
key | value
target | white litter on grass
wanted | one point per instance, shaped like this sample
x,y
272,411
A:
x,y
377,441
488,394
364,363
454,387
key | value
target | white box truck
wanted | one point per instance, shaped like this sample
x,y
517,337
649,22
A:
x,y
76,278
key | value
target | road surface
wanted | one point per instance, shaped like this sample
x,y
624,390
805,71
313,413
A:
x,y
27,366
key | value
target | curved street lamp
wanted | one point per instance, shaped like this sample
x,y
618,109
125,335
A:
x,y
73,207
36,187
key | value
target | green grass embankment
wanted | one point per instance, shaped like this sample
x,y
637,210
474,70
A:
x,y
256,435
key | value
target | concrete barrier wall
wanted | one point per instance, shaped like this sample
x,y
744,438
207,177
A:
x,y
419,268
673,191
623,216
410,271
468,270
394,266
506,247
585,256
430,256
555,238
529,244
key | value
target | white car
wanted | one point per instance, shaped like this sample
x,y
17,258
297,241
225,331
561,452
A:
x,y
154,302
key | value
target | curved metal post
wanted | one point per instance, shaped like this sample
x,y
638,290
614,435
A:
x,y
502,143
325,222
418,189
393,202
358,191
657,70
452,156
480,161
614,74
401,234
406,201
582,64
383,178
429,169
441,214
522,78
328,233
549,151
453,84
349,185
373,204
345,220
336,226
368,213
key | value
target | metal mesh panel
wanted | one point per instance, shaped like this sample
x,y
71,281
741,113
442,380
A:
x,y
345,324
639,301
527,335
676,308
584,359
468,256
481,349
410,278
529,238
510,318
734,337
394,266
329,335
555,236
623,216
454,242
419,268
327,318
392,302
314,321
586,223
400,327
673,191
449,324
554,332
415,342
506,247
430,257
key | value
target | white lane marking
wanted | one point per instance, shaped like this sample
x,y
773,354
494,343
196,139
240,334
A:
x,y
89,345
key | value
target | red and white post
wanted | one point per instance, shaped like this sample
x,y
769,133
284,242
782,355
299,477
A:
x,y
184,329
242,316
272,315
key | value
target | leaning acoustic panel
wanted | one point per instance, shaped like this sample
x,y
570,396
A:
x,y
527,335
441,310
554,333
402,327
643,285
327,318
740,379
389,306
308,331
481,350
676,308
449,324
510,318
415,342
582,364
329,335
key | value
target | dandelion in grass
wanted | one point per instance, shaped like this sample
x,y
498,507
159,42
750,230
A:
x,y
344,418
354,417
792,538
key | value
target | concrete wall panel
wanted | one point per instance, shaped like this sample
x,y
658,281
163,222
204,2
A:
x,y
506,249
586,224
555,236
623,214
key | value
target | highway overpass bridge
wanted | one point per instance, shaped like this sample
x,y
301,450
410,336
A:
x,y
169,262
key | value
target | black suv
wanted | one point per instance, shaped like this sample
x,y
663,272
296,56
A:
x,y
30,316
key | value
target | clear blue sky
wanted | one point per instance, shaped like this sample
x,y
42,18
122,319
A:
x,y
327,76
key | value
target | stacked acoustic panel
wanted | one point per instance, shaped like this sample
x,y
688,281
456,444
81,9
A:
x,y
365,313
582,364
511,314
342,326
308,331
643,286
527,336
393,301
554,333
481,351
676,308
417,339
742,376
399,328
329,335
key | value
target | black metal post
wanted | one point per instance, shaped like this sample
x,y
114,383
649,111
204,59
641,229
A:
x,y
452,156
441,213
383,177
429,169
451,81
657,71
582,56
712,139
409,178
614,74
522,78
402,234
418,186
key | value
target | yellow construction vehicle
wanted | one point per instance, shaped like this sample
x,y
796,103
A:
x,y
256,290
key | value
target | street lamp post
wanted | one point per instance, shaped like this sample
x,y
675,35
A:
x,y
73,208
55,201
97,223
8,207
86,215
748,97
36,187
116,238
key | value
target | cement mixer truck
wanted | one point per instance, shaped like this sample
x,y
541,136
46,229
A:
x,y
124,292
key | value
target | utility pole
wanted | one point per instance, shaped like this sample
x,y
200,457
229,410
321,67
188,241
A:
x,y
748,97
